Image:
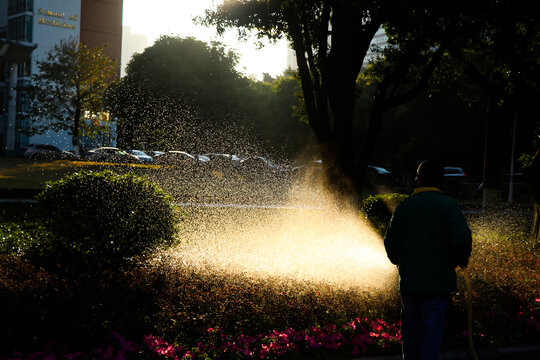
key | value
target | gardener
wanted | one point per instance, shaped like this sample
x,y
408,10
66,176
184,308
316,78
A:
x,y
427,238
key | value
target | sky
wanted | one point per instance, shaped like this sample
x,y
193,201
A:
x,y
174,17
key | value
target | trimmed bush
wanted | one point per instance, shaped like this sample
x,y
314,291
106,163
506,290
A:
x,y
98,220
378,209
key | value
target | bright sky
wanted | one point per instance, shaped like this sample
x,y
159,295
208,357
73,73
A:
x,y
174,17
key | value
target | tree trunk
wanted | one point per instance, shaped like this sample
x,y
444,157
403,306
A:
x,y
533,178
75,130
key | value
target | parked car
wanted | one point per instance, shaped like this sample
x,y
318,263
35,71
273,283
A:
x,y
222,161
111,154
313,164
142,156
202,158
379,176
218,157
310,171
258,164
154,153
175,157
46,151
456,181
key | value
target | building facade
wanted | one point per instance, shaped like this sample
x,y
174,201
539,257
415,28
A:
x,y
101,23
131,44
379,42
38,25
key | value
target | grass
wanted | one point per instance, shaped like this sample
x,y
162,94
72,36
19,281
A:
x,y
23,173
185,184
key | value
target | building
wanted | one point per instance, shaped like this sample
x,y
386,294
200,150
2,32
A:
x,y
101,23
131,44
33,27
379,41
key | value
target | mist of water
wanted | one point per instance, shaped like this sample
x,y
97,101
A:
x,y
329,244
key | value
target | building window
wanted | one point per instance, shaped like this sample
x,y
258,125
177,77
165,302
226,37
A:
x,y
24,69
19,6
3,98
20,28
3,71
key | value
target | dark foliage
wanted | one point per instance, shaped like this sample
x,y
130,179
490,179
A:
x,y
100,220
378,209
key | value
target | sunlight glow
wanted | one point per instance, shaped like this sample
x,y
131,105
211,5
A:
x,y
331,245
174,17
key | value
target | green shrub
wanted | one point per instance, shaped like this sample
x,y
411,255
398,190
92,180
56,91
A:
x,y
378,209
99,220
14,239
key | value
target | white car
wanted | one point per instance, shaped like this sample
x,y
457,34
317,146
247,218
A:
x,y
175,157
111,154
142,156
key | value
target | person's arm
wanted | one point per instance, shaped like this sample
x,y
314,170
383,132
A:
x,y
391,239
459,236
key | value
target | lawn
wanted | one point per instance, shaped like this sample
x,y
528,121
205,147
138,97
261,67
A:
x,y
168,305
23,173
185,184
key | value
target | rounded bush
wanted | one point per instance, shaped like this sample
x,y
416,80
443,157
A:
x,y
378,209
101,219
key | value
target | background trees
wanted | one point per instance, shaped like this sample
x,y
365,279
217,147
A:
x,y
331,39
67,94
182,93
176,94
431,47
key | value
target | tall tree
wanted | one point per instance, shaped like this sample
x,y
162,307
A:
x,y
330,39
179,92
67,92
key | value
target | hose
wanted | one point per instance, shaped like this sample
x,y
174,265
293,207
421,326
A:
x,y
469,311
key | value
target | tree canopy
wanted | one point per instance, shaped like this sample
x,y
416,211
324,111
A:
x,y
428,44
67,92
184,94
176,93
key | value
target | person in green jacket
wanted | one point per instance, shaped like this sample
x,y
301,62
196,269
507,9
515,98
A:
x,y
427,238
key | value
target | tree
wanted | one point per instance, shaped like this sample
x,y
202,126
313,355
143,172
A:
x,y
67,91
180,92
533,178
331,39
275,107
501,58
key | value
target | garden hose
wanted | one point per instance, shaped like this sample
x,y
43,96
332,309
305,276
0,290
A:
x,y
469,311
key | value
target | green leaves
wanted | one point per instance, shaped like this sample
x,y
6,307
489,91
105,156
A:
x,y
100,220
67,91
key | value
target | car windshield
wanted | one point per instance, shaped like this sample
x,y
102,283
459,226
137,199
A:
x,y
380,170
138,152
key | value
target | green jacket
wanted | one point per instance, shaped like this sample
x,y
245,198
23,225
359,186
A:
x,y
427,238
